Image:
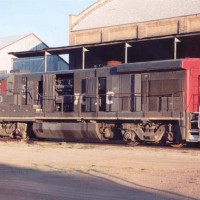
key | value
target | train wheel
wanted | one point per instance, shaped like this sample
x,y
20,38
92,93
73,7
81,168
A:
x,y
132,143
164,142
131,138
21,131
178,145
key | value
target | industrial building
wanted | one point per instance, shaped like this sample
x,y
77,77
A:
x,y
26,42
115,31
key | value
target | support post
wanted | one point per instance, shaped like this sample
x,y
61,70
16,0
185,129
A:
x,y
84,50
127,45
176,40
45,61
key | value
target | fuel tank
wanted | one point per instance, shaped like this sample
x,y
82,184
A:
x,y
67,131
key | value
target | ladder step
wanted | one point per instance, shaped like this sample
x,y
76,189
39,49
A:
x,y
38,110
194,138
194,121
194,131
35,106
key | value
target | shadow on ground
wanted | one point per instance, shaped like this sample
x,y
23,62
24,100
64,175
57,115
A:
x,y
28,184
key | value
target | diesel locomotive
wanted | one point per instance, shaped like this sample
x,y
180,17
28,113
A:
x,y
152,102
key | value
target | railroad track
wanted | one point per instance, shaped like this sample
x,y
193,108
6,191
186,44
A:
x,y
34,141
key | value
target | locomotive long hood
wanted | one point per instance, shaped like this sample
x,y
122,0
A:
x,y
150,66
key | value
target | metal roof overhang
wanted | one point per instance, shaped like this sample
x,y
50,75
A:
x,y
71,49
60,50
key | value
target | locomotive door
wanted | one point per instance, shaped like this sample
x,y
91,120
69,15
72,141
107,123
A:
x,y
49,92
112,94
108,91
24,91
33,88
125,91
29,88
90,94
130,91
102,90
30,96
136,93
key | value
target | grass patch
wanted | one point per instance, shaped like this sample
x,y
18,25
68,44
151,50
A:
x,y
74,170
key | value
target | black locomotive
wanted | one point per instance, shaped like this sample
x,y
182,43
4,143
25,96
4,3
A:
x,y
141,102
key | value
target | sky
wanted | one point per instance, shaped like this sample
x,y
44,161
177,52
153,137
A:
x,y
48,19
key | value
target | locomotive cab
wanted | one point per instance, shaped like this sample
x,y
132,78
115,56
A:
x,y
192,100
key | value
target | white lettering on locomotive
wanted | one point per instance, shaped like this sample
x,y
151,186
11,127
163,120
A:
x,y
109,96
76,98
82,99
24,91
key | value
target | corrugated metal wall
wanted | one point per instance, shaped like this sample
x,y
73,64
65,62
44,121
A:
x,y
37,64
28,43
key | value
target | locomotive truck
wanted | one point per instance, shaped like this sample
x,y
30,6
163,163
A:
x,y
152,102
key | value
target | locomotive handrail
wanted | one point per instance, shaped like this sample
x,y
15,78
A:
x,y
195,105
199,117
131,94
125,101
114,94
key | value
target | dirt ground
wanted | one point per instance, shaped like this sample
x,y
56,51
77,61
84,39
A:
x,y
75,171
